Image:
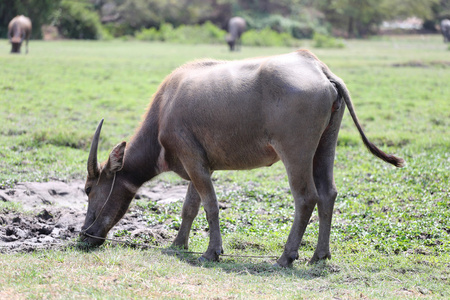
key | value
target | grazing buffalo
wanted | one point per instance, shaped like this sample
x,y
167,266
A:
x,y
236,27
213,115
445,29
19,29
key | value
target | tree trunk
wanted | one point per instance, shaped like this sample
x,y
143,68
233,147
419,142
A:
x,y
350,27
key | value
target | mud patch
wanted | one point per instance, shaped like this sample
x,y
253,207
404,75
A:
x,y
53,213
24,233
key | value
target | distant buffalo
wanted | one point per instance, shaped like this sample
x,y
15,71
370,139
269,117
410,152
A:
x,y
19,29
445,29
236,26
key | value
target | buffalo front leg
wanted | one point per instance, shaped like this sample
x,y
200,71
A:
x,y
190,209
201,179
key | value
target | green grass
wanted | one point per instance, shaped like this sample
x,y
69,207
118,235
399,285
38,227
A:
x,y
124,273
391,227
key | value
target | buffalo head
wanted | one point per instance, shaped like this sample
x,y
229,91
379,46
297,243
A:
x,y
16,43
108,192
230,41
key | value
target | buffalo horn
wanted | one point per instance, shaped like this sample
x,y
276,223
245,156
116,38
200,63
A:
x,y
92,166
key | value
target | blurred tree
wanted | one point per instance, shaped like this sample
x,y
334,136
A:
x,y
407,8
151,13
39,11
358,18
124,17
424,9
77,20
441,10
353,18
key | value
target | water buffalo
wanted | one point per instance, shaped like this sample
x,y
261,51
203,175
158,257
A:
x,y
445,29
19,29
236,27
213,115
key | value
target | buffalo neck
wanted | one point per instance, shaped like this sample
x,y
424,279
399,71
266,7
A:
x,y
141,155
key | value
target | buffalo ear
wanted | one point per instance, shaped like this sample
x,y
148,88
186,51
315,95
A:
x,y
115,160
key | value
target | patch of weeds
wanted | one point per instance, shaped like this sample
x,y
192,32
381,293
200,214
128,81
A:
x,y
139,239
187,34
8,184
413,63
59,138
268,38
241,266
239,244
122,233
323,269
8,206
14,132
85,247
437,122
8,88
390,142
168,215
348,140
63,138
326,41
423,64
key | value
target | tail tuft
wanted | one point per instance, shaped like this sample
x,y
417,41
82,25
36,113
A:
x,y
389,158
396,161
400,163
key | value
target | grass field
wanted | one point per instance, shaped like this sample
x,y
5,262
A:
x,y
391,227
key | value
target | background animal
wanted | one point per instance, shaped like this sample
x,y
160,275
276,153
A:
x,y
19,29
445,29
217,115
236,26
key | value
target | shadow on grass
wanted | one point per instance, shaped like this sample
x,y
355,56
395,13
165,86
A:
x,y
254,266
238,265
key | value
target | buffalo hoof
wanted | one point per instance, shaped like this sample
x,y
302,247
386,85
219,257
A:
x,y
210,255
318,257
284,263
277,266
202,259
286,260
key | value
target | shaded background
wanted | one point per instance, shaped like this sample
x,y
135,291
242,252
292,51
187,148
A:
x,y
102,19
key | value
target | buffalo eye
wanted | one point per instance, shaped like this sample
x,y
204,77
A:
x,y
88,190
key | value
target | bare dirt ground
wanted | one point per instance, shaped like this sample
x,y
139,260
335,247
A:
x,y
54,213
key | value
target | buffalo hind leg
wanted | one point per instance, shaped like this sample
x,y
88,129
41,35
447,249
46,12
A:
x,y
326,188
305,197
190,209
